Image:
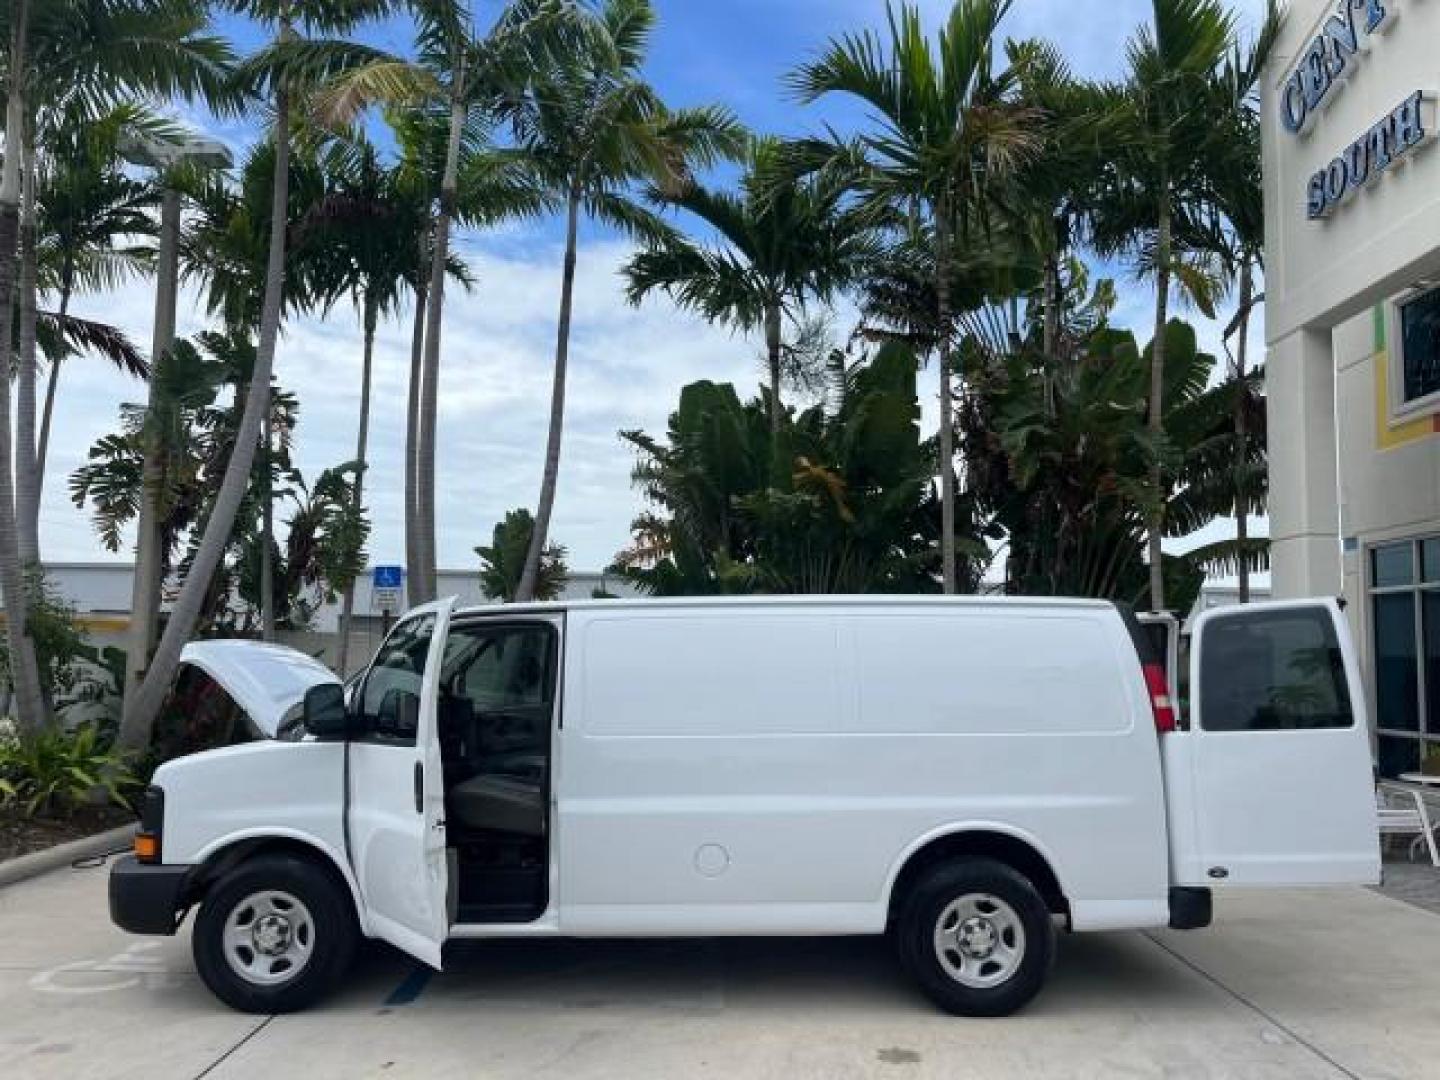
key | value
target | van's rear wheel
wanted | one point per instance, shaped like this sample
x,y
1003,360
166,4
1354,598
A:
x,y
977,936
273,935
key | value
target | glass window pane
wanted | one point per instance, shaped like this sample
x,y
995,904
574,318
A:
x,y
1432,560
1420,332
390,702
1432,661
1394,565
1396,754
1273,671
1397,704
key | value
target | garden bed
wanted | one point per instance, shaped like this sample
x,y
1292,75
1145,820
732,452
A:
x,y
20,835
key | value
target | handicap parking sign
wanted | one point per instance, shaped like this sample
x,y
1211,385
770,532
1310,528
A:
x,y
389,577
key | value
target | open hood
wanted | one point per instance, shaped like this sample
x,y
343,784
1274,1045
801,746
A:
x,y
267,681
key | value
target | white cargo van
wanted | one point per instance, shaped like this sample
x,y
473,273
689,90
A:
x,y
960,774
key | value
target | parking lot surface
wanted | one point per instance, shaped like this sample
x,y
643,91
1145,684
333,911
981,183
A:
x,y
1325,984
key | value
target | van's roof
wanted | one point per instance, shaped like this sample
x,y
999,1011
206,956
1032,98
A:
x,y
865,601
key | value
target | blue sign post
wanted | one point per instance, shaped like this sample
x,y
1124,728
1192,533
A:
x,y
386,583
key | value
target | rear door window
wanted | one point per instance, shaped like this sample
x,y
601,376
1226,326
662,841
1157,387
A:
x,y
1278,670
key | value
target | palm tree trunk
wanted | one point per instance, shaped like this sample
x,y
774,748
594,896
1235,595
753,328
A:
x,y
1157,399
347,605
1242,509
413,563
42,451
429,392
947,408
1052,305
267,534
27,486
531,574
140,712
149,542
772,362
24,670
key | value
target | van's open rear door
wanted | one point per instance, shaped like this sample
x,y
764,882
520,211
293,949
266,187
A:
x,y
1272,784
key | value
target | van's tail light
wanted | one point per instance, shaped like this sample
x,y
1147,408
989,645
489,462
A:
x,y
1160,703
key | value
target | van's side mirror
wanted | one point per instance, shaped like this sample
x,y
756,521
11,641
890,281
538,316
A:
x,y
324,711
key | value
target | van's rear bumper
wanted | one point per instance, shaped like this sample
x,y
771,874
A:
x,y
1191,907
145,898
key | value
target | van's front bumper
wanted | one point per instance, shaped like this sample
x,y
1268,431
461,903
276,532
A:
x,y
146,898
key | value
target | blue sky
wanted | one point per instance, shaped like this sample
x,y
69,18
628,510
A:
x,y
627,365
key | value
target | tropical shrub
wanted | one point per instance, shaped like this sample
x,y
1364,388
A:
x,y
502,562
1060,454
851,509
55,771
59,641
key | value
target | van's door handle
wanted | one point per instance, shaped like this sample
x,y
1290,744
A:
x,y
419,788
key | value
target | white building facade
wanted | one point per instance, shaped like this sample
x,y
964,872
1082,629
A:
x,y
1352,205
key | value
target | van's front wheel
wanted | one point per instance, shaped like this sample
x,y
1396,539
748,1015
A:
x,y
977,936
273,935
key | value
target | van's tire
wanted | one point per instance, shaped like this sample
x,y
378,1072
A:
x,y
274,934
977,936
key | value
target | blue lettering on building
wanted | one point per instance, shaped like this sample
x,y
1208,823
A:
x,y
1385,144
1333,53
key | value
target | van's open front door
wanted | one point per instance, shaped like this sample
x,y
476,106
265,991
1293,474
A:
x,y
1278,752
396,821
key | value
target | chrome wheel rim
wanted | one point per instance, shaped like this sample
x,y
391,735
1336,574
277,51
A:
x,y
979,940
269,937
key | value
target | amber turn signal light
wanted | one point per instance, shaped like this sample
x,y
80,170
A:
x,y
147,847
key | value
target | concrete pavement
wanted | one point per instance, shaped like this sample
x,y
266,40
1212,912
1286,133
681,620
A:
x,y
1296,985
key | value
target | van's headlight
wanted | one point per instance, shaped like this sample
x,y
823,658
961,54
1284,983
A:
x,y
152,821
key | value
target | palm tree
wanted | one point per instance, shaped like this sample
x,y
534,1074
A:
x,y
949,132
286,68
358,241
590,129
24,667
1179,105
786,242
464,78
1239,238
66,58
94,224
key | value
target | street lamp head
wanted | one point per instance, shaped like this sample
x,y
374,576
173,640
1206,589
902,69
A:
x,y
197,150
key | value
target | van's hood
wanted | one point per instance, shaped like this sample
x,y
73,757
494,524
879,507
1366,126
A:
x,y
267,681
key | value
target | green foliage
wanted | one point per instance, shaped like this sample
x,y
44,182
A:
x,y
856,512
57,635
1061,455
55,771
503,561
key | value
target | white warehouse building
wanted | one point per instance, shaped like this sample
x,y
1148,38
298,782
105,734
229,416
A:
x,y
1352,206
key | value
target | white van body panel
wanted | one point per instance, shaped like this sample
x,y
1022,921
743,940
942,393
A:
x,y
289,790
767,767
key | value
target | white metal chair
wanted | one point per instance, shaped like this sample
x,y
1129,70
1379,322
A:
x,y
1404,811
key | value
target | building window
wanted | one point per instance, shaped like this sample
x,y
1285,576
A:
x,y
1419,320
1405,620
